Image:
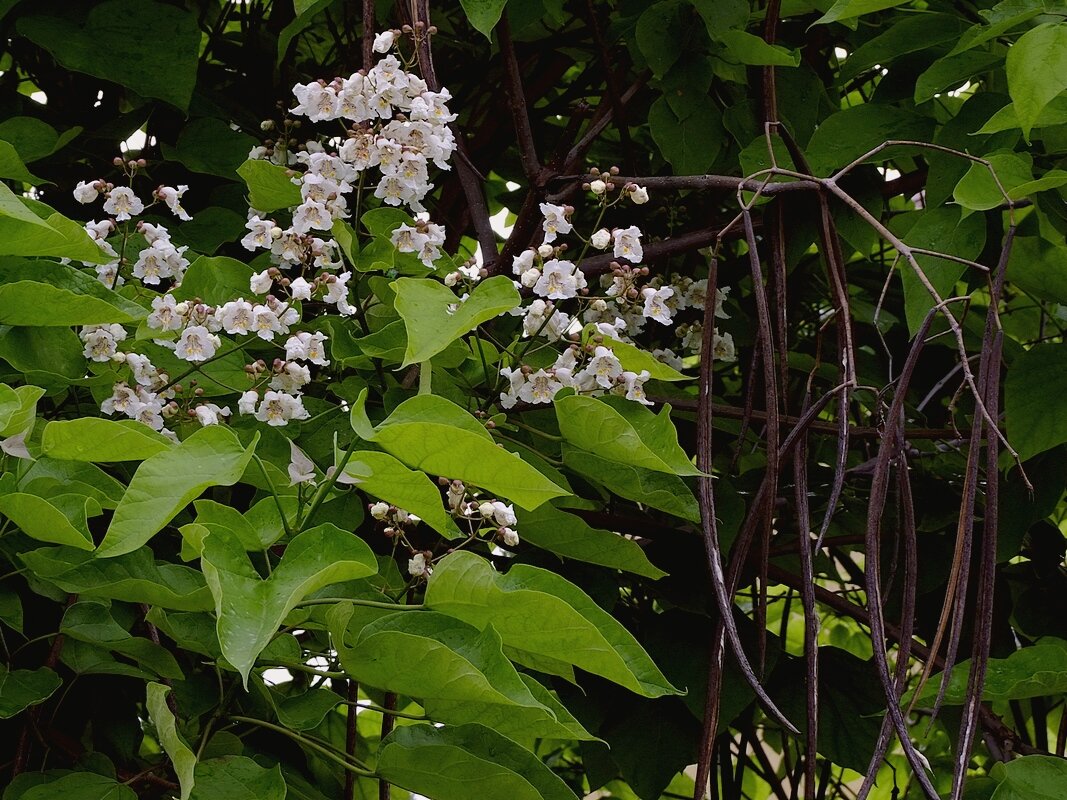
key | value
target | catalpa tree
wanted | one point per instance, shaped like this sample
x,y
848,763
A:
x,y
533,400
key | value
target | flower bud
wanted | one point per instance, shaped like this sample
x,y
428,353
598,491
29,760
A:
x,y
379,510
598,187
639,195
601,239
545,250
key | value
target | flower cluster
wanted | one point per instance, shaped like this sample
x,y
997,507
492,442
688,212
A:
x,y
619,308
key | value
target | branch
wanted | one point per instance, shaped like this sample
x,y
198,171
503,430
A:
x,y
517,103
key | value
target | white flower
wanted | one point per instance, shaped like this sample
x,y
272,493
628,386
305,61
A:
x,y
164,316
417,566
510,537
516,380
379,510
278,408
154,233
210,414
383,42
101,341
197,343
545,250
603,367
143,371
291,378
260,283
598,186
655,306
541,387
236,317
266,323
723,347
123,203
317,101
408,239
301,468
247,402
523,262
555,222
628,244
123,399
559,280
668,357
307,346
601,239
503,514
311,214
173,198
530,277
634,386
86,192
260,233
639,195
337,293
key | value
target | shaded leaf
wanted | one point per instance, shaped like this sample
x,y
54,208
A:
x,y
22,688
181,757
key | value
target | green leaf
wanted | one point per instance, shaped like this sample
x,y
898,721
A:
x,y
483,14
660,30
656,489
1034,391
382,476
953,71
80,786
305,712
270,186
162,65
690,144
1002,18
211,146
168,481
22,688
845,136
978,191
32,138
133,578
181,757
939,229
11,608
1030,778
1039,267
850,9
12,168
93,439
626,432
250,609
539,613
215,280
635,359
305,12
458,763
1037,71
440,438
747,48
210,229
17,408
57,520
50,294
570,536
237,778
908,35
424,304
1036,671
50,357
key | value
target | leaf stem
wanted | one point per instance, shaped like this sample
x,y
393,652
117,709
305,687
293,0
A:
x,y
304,740
326,601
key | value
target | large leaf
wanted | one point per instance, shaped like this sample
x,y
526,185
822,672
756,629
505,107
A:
x,y
270,187
570,536
1036,671
58,519
624,432
655,489
168,481
438,437
1034,393
382,476
845,136
133,578
18,408
1037,71
12,168
111,44
483,14
51,294
250,609
538,612
22,688
210,145
237,778
690,143
48,233
850,9
215,280
464,762
80,786
1030,778
93,439
434,317
658,31
181,756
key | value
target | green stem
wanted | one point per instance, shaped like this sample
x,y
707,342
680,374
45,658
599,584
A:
x,y
201,364
273,493
304,740
534,430
389,711
323,490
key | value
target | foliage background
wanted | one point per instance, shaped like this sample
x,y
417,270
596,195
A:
x,y
672,88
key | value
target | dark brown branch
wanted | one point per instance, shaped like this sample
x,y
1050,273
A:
x,y
368,34
517,104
